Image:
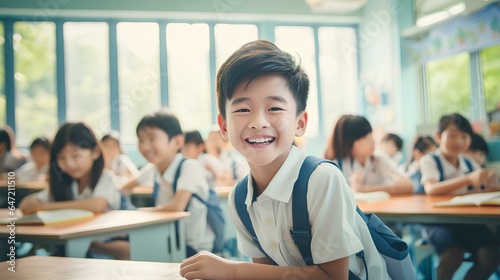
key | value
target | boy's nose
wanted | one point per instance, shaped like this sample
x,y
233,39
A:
x,y
258,121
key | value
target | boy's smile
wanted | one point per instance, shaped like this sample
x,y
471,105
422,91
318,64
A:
x,y
262,121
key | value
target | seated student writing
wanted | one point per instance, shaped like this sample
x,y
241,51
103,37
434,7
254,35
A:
x,y
114,158
447,171
352,146
194,147
160,140
77,179
38,168
11,158
262,94
478,149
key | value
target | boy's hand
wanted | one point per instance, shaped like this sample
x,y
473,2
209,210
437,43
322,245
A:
x,y
205,265
478,178
357,179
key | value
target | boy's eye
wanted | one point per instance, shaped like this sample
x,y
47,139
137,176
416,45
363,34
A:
x,y
242,111
275,109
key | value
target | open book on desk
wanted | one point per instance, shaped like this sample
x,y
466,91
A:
x,y
370,197
473,199
51,217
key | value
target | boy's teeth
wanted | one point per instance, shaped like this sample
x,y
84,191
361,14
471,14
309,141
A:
x,y
260,140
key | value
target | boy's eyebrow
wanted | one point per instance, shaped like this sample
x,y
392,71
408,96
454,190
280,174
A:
x,y
246,99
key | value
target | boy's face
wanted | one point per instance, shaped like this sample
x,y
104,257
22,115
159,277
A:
x,y
155,145
261,120
191,150
111,149
389,147
40,156
453,141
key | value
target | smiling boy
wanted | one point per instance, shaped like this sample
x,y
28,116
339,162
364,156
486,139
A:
x,y
262,94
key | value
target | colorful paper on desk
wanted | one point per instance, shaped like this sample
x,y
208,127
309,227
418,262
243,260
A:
x,y
51,217
474,199
370,197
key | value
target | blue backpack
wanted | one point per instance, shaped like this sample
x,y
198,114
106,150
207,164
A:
x,y
416,177
215,216
390,246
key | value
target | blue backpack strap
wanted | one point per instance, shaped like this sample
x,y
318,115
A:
x,y
240,195
156,189
156,185
439,167
339,163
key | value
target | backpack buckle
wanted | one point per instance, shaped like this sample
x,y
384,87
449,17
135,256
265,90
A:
x,y
301,236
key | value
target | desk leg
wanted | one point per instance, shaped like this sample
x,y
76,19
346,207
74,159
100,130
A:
x,y
150,243
178,253
77,247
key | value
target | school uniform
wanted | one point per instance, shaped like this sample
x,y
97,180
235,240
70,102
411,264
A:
x,y
122,164
378,170
10,163
235,163
105,188
29,172
337,230
212,165
199,235
443,237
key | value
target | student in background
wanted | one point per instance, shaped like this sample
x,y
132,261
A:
x,y
10,157
115,159
224,151
423,145
392,145
160,140
262,95
194,147
478,149
37,169
352,146
451,241
78,180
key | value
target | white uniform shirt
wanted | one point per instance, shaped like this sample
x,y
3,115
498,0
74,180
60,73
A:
x,y
429,170
29,172
337,230
211,164
192,178
378,170
105,188
235,163
122,164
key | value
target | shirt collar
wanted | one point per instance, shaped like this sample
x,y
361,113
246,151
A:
x,y
462,166
281,186
169,174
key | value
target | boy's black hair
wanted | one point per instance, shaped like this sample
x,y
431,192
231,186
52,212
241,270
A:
x,y
478,144
394,138
112,135
41,142
165,121
423,143
193,136
5,138
257,59
456,119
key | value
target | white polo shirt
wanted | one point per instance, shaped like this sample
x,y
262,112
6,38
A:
x,y
29,172
378,170
429,169
235,162
105,188
122,164
192,178
337,230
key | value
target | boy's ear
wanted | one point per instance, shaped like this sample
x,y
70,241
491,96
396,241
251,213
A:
x,y
301,124
96,153
222,126
178,140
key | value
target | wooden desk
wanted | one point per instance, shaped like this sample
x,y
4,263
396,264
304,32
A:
x,y
50,268
32,185
152,234
419,209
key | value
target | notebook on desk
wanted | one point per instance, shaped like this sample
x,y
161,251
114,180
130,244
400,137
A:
x,y
474,199
50,217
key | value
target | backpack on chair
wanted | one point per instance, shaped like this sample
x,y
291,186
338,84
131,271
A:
x,y
390,246
215,216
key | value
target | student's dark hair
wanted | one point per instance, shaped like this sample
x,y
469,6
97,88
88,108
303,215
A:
x,y
456,119
256,59
394,138
81,136
422,144
113,135
478,144
193,136
41,142
5,138
347,130
163,120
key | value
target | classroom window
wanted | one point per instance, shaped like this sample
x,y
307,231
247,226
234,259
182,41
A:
x,y
449,86
2,77
338,68
188,64
86,54
304,51
490,60
139,75
230,37
35,80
